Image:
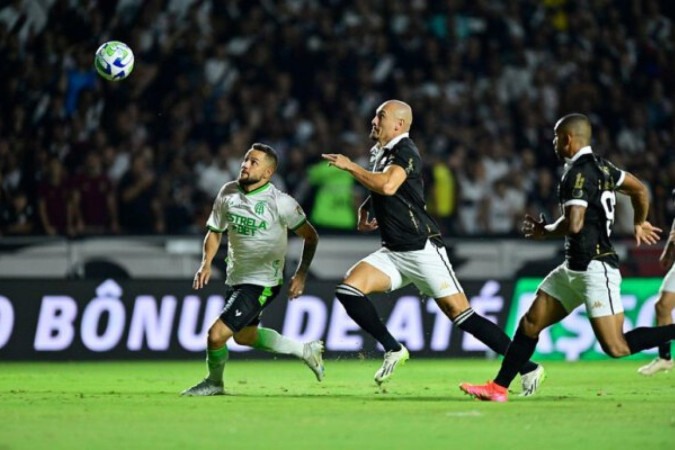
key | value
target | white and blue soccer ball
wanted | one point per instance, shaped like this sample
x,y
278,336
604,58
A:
x,y
114,60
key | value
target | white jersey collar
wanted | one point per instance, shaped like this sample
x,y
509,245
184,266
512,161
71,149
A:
x,y
376,149
582,151
396,140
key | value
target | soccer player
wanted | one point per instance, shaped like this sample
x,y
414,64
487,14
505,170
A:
x,y
256,216
664,305
590,273
413,249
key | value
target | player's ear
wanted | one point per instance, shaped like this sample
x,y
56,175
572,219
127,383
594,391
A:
x,y
566,138
269,171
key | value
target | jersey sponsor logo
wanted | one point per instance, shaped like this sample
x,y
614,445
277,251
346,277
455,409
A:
x,y
245,225
578,190
579,182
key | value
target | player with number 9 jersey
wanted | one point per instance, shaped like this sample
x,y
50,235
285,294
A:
x,y
590,273
590,181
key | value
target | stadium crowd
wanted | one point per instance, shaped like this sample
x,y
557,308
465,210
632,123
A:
x,y
486,79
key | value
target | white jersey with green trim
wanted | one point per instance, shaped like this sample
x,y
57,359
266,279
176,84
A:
x,y
257,225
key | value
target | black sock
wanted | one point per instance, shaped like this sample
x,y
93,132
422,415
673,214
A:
x,y
664,351
643,338
489,334
519,352
363,312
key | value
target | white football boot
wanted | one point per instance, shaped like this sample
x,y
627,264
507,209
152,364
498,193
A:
x,y
391,360
311,354
531,381
657,365
204,388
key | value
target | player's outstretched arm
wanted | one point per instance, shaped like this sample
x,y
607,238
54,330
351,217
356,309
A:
x,y
383,183
311,240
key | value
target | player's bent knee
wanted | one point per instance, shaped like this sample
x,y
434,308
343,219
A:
x,y
453,305
615,350
243,340
245,337
216,337
529,326
662,308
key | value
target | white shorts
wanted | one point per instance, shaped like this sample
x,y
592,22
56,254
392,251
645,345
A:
x,y
428,269
668,284
599,287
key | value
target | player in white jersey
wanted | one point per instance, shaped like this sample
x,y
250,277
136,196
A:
x,y
664,306
256,217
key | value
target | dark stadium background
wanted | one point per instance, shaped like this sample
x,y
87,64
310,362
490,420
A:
x,y
486,80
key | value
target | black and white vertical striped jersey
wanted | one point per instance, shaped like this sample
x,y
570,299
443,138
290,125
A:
x,y
402,218
590,181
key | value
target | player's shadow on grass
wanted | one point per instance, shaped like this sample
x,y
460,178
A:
x,y
376,397
394,397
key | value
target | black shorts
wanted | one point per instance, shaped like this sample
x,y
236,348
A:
x,y
245,303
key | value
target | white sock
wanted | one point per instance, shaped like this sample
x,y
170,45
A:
x,y
271,341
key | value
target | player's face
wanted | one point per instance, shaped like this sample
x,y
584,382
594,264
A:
x,y
383,125
558,145
254,168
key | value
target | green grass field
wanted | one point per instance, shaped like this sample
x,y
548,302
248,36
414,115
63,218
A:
x,y
279,405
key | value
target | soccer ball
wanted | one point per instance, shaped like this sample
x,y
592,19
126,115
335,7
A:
x,y
114,60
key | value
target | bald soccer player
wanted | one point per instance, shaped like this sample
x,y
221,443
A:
x,y
412,250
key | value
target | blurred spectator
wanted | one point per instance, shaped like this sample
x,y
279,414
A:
x,y
503,209
176,192
304,76
473,191
441,188
213,175
77,78
544,199
632,136
17,215
54,205
335,201
94,199
139,206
